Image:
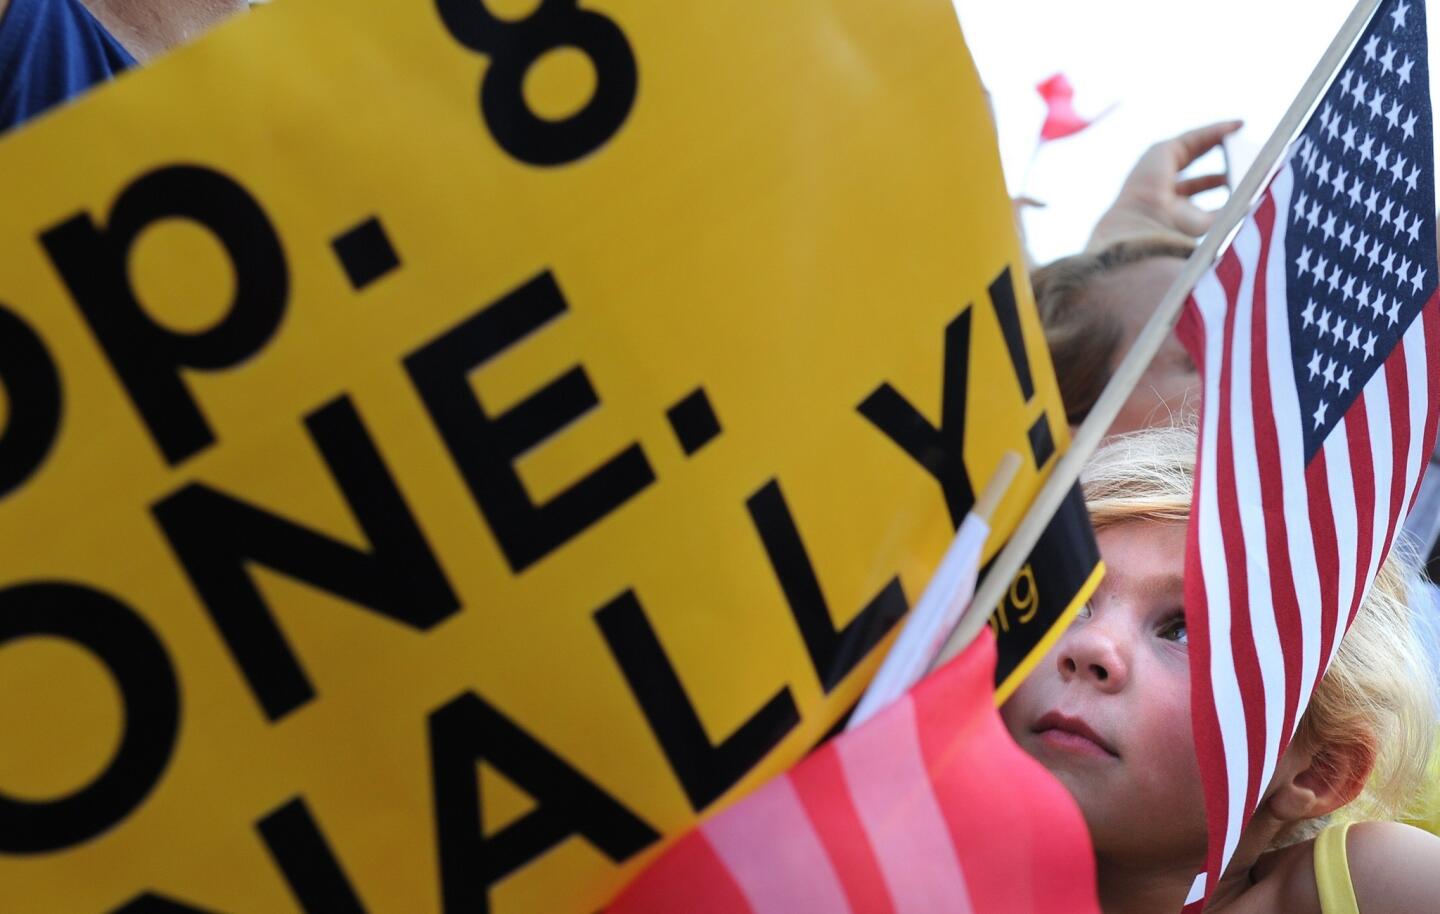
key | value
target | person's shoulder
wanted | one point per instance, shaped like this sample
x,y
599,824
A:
x,y
1394,867
1284,880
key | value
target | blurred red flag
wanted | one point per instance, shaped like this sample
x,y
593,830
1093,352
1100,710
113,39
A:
x,y
1061,120
927,807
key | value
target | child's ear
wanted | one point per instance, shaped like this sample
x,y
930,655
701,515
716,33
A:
x,y
1311,782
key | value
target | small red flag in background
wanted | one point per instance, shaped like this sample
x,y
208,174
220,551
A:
x,y
928,807
1061,120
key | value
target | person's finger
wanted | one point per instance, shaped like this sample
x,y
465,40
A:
x,y
1189,187
1191,219
1192,144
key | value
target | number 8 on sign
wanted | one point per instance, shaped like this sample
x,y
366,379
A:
x,y
514,46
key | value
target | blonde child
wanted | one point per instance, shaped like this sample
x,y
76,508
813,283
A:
x,y
1108,712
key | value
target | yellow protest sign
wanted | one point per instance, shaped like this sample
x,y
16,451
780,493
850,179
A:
x,y
447,450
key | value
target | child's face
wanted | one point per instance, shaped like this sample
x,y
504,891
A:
x,y
1108,710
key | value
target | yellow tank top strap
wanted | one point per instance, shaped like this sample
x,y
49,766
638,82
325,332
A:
x,y
1332,872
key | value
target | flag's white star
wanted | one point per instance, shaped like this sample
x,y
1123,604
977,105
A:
x,y
1329,372
1344,379
1338,184
1414,230
1308,316
1378,304
1356,190
1371,202
1339,329
1329,227
1382,158
1372,47
1360,246
1374,254
1324,321
1346,235
1314,365
1411,178
1323,175
1389,265
1397,168
1387,62
1320,414
1369,347
1364,294
1347,81
1360,86
1377,104
1330,121
1300,205
1405,71
1392,117
1349,289
1386,210
1313,219
1402,275
1419,278
1400,221
1302,263
1349,138
1393,314
1334,280
1409,126
1398,14
1367,147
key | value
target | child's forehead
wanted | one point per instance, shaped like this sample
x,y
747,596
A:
x,y
1143,558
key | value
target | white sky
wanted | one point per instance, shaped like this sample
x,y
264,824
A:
x,y
1169,65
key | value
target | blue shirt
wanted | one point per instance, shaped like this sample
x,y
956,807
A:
x,y
51,50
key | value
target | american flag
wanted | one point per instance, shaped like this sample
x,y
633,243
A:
x,y
1316,336
928,806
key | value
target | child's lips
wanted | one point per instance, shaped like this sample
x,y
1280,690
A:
x,y
1071,734
1066,741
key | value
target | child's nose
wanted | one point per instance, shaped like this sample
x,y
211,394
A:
x,y
1094,655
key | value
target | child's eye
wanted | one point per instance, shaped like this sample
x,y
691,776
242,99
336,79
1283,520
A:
x,y
1173,629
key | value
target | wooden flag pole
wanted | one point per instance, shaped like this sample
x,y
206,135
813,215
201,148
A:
x,y
1152,336
945,598
999,484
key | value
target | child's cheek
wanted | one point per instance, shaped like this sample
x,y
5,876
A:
x,y
1021,707
1175,764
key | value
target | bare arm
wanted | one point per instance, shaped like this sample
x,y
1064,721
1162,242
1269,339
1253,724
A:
x,y
1395,867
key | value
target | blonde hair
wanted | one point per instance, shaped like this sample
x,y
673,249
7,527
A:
x,y
1376,698
1083,338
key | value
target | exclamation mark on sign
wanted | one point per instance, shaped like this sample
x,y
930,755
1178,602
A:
x,y
1002,296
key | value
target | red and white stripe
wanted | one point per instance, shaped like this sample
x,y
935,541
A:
x,y
928,807
1280,553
